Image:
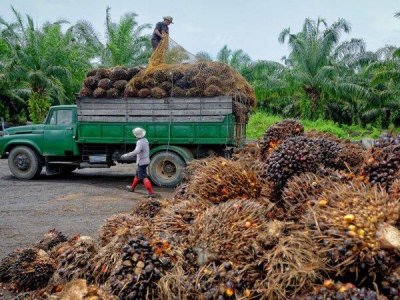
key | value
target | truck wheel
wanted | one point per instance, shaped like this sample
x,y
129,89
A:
x,y
166,169
24,163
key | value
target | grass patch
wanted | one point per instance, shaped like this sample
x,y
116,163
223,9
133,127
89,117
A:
x,y
260,121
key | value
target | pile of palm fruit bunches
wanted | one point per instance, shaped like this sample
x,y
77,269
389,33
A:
x,y
295,215
201,79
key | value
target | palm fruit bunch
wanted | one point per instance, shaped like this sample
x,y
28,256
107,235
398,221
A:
x,y
306,189
176,217
73,258
147,209
355,228
51,239
221,179
340,291
142,264
110,83
27,269
249,158
394,190
382,162
277,133
294,156
291,265
389,285
77,289
122,225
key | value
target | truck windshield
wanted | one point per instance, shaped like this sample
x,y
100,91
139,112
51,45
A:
x,y
62,116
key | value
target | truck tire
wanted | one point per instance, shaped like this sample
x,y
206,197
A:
x,y
166,169
24,162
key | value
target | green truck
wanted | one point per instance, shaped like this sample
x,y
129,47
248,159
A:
x,y
94,133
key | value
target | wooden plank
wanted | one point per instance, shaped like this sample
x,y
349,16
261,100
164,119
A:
x,y
102,112
183,112
102,119
96,101
176,119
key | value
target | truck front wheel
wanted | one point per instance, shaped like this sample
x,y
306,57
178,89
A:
x,y
166,169
24,162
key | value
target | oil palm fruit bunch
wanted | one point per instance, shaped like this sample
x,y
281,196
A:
x,y
382,162
116,225
306,189
294,156
51,239
28,269
220,180
394,190
118,73
142,265
389,285
339,291
354,224
73,258
277,133
147,209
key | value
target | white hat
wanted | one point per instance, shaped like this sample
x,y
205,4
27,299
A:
x,y
139,132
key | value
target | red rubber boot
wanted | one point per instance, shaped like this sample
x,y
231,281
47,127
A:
x,y
132,187
149,187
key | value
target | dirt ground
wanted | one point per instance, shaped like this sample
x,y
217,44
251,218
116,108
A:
x,y
74,204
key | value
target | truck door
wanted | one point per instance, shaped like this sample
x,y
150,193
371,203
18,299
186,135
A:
x,y
58,133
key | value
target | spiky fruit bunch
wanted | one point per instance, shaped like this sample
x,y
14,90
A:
x,y
394,190
221,179
91,82
212,91
294,156
147,209
144,93
118,74
105,84
28,269
348,291
130,91
176,91
354,226
133,72
306,189
382,161
158,93
328,152
389,285
176,217
285,266
51,239
86,92
76,289
142,264
249,157
277,133
216,234
73,258
113,93
103,73
120,84
121,224
99,93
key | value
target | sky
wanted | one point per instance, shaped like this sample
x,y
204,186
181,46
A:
x,y
208,25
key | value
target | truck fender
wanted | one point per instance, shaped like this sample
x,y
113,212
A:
x,y
183,152
15,143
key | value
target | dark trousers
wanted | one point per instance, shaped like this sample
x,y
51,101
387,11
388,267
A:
x,y
154,43
141,172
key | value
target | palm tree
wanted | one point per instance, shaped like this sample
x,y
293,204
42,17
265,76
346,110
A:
x,y
237,59
316,62
126,44
202,55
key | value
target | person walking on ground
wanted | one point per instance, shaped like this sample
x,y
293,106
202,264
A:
x,y
142,161
161,28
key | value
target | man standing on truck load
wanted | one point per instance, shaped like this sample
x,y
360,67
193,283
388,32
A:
x,y
142,152
161,27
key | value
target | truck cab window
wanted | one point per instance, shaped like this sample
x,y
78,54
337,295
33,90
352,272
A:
x,y
61,117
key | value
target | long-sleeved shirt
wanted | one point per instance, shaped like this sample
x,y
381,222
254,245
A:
x,y
141,151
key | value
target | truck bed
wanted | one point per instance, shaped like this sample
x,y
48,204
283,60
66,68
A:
x,y
168,120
